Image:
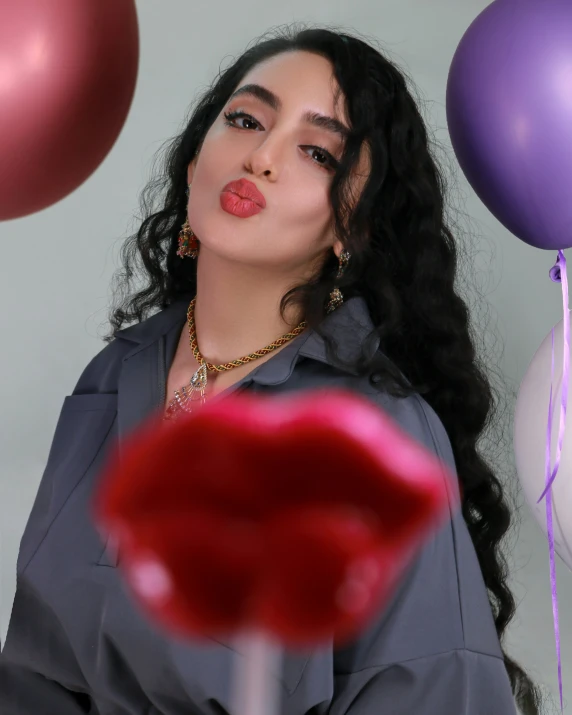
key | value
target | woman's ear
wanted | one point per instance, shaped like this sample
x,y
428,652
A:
x,y
337,248
191,168
190,172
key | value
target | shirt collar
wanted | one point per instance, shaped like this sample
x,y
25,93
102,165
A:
x,y
349,325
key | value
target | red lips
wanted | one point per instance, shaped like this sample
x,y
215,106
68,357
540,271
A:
x,y
246,190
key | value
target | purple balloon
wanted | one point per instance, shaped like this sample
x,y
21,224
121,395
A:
x,y
509,110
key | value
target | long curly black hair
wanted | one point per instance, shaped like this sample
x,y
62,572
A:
x,y
404,263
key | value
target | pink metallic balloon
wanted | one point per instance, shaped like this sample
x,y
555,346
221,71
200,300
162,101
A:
x,y
68,70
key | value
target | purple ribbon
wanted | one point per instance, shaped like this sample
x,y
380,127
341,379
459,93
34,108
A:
x,y
557,275
550,530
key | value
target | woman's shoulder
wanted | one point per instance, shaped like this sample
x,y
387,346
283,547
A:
x,y
101,374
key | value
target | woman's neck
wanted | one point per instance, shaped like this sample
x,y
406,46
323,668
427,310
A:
x,y
237,309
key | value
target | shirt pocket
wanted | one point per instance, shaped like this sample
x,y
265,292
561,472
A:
x,y
82,430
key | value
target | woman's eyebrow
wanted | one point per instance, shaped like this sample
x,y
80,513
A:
x,y
273,101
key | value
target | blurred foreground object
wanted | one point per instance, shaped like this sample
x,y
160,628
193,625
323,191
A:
x,y
291,516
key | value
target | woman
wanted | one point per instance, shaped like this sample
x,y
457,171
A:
x,y
301,242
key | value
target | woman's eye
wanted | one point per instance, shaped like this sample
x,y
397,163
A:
x,y
328,163
326,160
232,116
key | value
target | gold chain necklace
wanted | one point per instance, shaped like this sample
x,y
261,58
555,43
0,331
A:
x,y
195,390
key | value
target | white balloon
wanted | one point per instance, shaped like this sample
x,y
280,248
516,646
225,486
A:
x,y
530,423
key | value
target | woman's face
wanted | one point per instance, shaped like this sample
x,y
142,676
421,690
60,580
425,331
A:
x,y
277,150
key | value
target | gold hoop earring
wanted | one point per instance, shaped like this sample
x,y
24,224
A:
x,y
336,296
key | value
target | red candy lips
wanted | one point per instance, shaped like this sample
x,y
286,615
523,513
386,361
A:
x,y
293,515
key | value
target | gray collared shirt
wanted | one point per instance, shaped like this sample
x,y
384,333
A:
x,y
77,644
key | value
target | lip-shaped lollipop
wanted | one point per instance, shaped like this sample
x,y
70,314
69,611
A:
x,y
295,515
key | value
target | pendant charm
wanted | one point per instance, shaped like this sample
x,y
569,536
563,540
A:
x,y
199,379
186,398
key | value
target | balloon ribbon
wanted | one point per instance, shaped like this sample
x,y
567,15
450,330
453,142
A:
x,y
557,275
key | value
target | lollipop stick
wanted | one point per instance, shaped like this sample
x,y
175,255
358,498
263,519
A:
x,y
256,677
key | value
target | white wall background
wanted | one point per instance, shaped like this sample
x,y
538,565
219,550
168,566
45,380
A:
x,y
55,266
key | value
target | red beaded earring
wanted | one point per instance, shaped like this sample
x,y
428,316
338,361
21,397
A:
x,y
188,242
